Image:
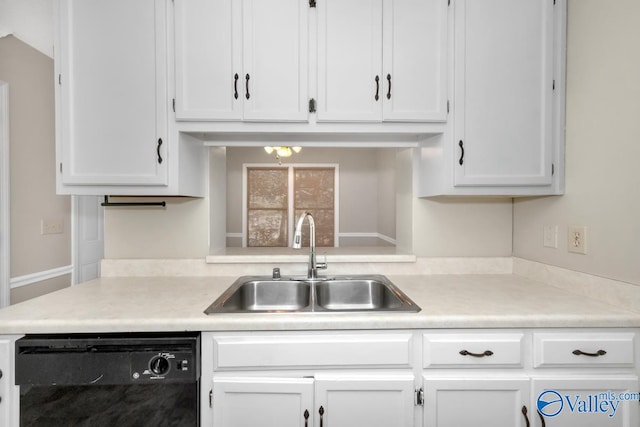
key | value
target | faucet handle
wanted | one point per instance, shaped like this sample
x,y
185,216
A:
x,y
276,273
322,265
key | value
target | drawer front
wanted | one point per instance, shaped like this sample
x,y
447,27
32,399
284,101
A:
x,y
292,351
472,350
584,349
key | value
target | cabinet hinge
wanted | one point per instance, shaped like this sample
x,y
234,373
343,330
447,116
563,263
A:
x,y
174,104
419,397
312,3
211,398
312,105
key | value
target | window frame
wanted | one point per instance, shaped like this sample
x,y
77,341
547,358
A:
x,y
290,198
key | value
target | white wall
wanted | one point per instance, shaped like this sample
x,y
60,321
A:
x,y
30,21
603,148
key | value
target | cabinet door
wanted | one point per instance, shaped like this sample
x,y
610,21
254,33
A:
x,y
471,402
414,54
248,401
587,402
350,81
9,392
274,80
112,103
208,52
375,400
503,92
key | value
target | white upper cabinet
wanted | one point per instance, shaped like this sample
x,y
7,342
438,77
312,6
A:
x,y
241,60
208,53
112,130
415,60
275,60
507,133
350,83
504,92
382,60
111,92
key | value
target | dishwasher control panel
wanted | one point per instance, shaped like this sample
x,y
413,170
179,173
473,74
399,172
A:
x,y
162,365
88,359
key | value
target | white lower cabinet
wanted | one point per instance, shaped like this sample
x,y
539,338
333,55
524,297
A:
x,y
432,378
254,401
305,379
358,399
9,392
478,401
323,399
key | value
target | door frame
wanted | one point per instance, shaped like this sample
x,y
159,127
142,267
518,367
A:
x,y
5,224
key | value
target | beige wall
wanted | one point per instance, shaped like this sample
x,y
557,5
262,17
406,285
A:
x,y
179,230
603,148
32,146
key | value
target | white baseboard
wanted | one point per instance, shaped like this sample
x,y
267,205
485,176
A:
x,y
28,279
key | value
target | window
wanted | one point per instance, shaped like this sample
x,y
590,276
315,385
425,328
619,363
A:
x,y
275,197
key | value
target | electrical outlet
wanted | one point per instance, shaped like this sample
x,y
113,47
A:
x,y
51,226
577,239
550,236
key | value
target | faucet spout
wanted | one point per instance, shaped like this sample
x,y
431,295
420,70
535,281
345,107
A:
x,y
313,266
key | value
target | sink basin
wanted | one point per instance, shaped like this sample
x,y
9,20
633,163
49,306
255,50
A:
x,y
262,294
355,294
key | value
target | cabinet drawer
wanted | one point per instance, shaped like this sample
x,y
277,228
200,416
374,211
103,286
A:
x,y
297,351
583,349
472,350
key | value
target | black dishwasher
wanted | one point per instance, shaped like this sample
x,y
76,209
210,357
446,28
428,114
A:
x,y
130,379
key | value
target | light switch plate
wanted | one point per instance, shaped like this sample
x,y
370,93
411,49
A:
x,y
51,226
550,236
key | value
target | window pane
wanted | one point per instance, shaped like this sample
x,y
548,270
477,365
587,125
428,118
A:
x,y
314,192
267,203
267,228
314,188
267,188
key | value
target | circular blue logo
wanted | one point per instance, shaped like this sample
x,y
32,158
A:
x,y
550,403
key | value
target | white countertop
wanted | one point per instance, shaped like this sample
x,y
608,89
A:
x,y
133,304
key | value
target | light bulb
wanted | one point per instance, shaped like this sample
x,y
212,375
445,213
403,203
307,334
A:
x,y
269,150
284,151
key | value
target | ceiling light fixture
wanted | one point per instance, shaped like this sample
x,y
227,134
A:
x,y
282,151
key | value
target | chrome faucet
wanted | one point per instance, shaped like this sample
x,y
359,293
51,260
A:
x,y
314,266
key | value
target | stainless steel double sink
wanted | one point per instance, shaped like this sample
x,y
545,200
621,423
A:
x,y
264,294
